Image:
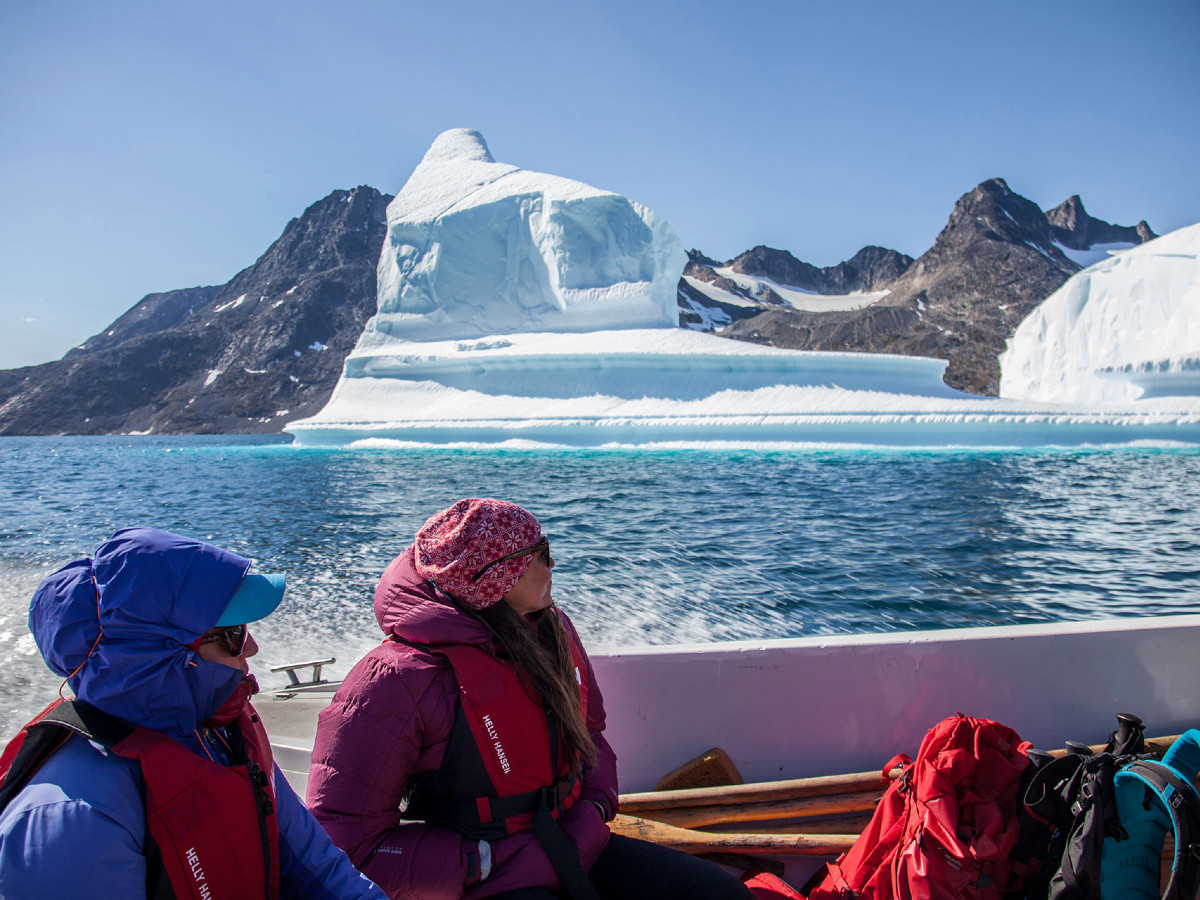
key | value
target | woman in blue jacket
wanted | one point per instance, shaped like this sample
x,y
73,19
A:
x,y
158,778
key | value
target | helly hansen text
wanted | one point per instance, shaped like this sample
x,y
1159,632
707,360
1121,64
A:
x,y
198,873
500,754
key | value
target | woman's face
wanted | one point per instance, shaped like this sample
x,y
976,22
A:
x,y
532,592
218,652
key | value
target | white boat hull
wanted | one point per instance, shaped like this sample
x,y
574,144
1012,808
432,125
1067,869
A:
x,y
824,705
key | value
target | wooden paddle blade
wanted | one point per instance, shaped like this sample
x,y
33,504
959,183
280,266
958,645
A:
x,y
709,769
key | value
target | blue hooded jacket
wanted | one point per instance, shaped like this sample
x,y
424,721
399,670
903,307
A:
x,y
118,627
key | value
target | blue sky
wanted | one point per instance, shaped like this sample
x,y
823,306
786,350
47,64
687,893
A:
x,y
148,146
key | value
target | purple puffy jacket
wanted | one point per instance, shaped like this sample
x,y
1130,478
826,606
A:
x,y
391,718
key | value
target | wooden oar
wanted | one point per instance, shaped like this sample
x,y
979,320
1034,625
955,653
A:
x,y
765,811
650,803
690,841
832,810
790,789
851,824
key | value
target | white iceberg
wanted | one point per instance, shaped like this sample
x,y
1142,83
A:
x,y
1126,328
475,247
522,309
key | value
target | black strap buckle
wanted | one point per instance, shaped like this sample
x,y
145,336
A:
x,y
555,795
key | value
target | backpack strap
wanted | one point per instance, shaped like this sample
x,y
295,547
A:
x,y
1179,801
1032,850
42,738
83,718
1051,791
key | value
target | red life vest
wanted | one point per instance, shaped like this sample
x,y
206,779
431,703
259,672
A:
x,y
214,826
508,735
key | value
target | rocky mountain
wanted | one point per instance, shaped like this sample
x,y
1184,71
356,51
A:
x,y
998,257
241,358
867,269
154,312
1073,227
268,347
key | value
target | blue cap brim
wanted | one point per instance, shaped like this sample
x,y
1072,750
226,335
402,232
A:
x,y
256,598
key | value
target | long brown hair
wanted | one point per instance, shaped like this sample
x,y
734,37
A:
x,y
542,655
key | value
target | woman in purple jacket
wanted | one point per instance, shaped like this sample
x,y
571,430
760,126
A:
x,y
465,756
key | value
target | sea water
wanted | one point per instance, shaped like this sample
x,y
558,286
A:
x,y
650,547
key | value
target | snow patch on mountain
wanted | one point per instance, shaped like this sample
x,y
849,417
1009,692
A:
x,y
1094,254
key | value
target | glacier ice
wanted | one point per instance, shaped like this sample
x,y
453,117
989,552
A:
x,y
1126,328
520,309
475,247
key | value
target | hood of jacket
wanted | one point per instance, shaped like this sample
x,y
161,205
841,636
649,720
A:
x,y
409,607
118,625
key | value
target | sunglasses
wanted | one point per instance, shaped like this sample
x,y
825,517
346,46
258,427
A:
x,y
235,637
542,547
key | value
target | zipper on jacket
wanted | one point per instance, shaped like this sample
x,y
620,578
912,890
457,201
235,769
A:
x,y
262,804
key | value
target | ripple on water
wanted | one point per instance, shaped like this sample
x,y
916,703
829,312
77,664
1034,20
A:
x,y
654,547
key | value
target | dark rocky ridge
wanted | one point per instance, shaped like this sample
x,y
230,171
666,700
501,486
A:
x,y
1073,227
265,348
268,347
691,300
992,264
154,312
869,267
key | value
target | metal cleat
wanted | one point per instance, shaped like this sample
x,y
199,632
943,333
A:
x,y
295,685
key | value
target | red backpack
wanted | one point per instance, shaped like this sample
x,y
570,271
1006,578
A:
x,y
765,886
946,828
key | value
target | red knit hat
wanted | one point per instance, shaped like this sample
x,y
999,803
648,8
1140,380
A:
x,y
454,545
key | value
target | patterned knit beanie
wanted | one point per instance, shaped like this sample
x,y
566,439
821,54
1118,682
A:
x,y
454,545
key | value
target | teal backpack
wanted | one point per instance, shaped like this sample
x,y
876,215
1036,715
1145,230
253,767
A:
x,y
1154,798
1096,823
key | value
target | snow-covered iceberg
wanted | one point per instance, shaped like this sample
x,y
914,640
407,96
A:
x,y
523,309
1126,328
475,247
